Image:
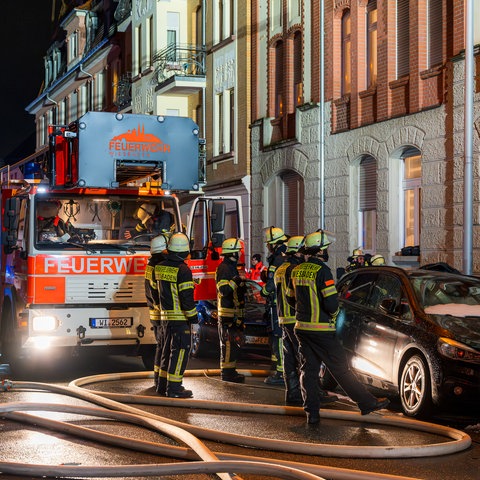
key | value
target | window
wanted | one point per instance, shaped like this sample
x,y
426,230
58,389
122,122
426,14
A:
x,y
221,24
219,144
297,69
149,42
412,180
232,18
138,50
371,43
295,9
403,38
173,29
73,46
367,203
434,32
276,14
199,26
279,77
231,119
285,199
346,53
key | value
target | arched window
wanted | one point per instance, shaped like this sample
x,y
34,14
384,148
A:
x,y
285,198
346,53
367,203
412,196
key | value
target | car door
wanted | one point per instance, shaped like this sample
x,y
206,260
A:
x,y
379,330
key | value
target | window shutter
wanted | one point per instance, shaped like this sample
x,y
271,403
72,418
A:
x,y
435,26
403,38
293,198
368,184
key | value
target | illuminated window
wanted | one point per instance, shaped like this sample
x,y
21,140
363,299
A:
x,y
297,69
346,53
367,203
279,79
412,180
403,38
372,43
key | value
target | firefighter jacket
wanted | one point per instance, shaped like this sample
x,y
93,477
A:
x,y
151,288
255,273
285,309
230,290
175,287
274,261
316,298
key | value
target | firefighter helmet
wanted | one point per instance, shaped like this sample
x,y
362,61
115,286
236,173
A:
x,y
358,252
144,212
295,243
231,245
158,244
178,243
318,240
273,235
377,260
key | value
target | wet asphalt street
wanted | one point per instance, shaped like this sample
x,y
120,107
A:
x,y
26,443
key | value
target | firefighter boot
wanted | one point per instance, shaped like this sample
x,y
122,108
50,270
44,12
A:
x,y
231,375
325,398
161,386
293,394
178,391
275,378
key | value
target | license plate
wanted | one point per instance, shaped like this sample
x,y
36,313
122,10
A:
x,y
256,340
117,322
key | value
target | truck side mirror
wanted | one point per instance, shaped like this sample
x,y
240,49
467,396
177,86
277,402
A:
x,y
217,217
10,222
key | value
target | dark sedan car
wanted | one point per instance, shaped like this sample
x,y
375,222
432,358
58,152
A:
x,y
205,333
412,333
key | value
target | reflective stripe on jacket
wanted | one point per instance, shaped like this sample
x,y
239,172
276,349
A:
x,y
230,298
286,311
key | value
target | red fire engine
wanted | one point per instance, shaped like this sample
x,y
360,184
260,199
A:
x,y
76,228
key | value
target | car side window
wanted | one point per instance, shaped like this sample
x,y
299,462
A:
x,y
388,287
358,289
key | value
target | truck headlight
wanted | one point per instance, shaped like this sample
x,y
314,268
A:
x,y
457,351
44,323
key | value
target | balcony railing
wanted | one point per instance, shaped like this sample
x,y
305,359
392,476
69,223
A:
x,y
186,60
123,91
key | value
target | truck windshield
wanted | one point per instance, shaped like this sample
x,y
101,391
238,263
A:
x,y
77,221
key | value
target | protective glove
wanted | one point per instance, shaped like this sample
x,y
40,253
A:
x,y
239,281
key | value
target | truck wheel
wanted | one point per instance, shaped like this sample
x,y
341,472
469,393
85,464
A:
x,y
327,382
8,345
198,347
148,356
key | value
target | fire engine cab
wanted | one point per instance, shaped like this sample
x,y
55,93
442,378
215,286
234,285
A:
x,y
76,228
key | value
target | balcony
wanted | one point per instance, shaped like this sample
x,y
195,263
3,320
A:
x,y
179,70
123,91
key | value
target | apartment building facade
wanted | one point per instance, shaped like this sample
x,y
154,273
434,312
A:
x,y
392,169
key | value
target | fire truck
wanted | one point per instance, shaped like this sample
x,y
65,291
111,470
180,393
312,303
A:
x,y
76,226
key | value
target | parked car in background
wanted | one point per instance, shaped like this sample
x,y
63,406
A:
x,y
412,333
205,333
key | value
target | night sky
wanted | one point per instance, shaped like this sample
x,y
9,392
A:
x,y
25,35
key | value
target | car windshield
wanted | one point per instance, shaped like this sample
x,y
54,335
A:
x,y
96,223
455,291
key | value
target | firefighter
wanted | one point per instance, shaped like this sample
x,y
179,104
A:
x,y
286,319
149,220
316,300
177,312
158,251
255,273
230,305
376,260
50,225
356,260
275,239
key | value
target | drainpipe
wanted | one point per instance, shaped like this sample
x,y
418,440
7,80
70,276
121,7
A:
x,y
322,115
468,141
204,67
90,107
54,118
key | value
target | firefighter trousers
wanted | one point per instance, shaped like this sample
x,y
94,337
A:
x,y
230,333
175,352
318,347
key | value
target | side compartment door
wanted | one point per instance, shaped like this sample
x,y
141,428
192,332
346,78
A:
x,y
210,222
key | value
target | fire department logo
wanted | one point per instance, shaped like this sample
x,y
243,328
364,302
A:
x,y
136,143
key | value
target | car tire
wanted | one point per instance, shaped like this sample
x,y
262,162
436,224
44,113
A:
x,y
415,387
327,382
198,346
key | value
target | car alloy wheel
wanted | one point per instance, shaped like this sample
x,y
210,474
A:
x,y
415,388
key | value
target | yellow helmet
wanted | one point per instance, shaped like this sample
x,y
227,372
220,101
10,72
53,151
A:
x,y
358,252
319,240
144,212
231,245
178,243
295,243
377,260
274,235
158,244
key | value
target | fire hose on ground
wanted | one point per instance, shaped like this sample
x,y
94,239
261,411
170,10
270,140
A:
x,y
199,459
